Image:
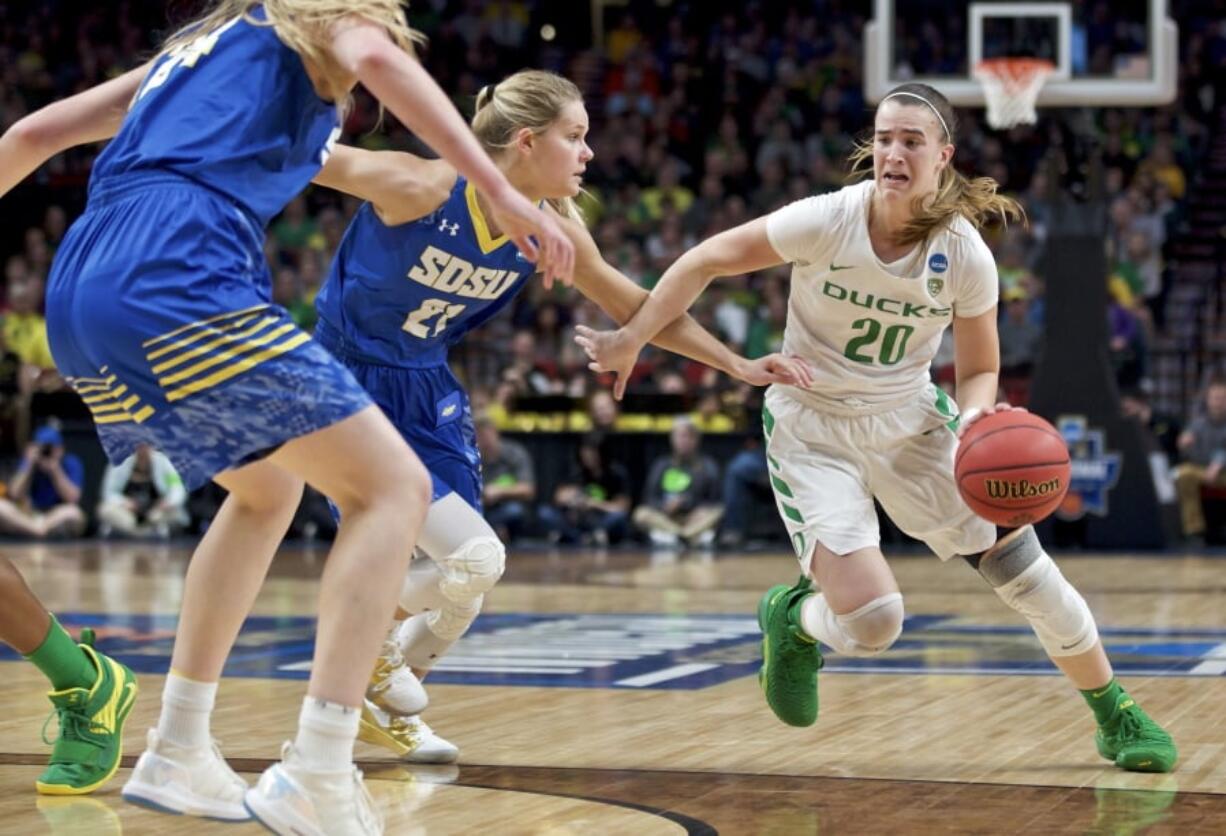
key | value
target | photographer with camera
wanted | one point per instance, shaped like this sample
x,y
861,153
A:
x,y
44,493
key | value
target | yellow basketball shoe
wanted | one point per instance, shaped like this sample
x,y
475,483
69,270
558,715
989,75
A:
x,y
393,685
87,751
408,736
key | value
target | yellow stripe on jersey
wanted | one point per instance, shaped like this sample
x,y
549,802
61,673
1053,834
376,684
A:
x,y
109,396
203,332
202,323
91,388
205,348
140,416
242,365
120,406
485,241
105,405
226,355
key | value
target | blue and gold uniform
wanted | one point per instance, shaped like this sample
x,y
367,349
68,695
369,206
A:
x,y
159,301
397,299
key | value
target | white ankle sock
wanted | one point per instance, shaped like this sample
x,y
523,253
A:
x,y
820,622
186,708
326,731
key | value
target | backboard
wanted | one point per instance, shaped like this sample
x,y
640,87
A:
x,y
1119,53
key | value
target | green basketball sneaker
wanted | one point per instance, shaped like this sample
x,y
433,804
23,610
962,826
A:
x,y
1134,741
87,752
790,658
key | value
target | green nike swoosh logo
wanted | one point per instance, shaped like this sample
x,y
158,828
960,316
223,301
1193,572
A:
x,y
834,267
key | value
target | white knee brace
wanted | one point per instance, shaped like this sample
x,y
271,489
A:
x,y
453,620
1028,580
472,570
866,631
873,627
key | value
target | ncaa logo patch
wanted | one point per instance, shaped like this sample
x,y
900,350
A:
x,y
938,263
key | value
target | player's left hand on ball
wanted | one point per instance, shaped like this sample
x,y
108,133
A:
x,y
973,414
777,368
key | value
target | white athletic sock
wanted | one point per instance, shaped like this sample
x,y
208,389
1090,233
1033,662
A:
x,y
186,708
821,623
326,731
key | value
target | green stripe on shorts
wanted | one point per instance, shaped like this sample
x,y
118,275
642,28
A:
x,y
772,461
946,408
781,486
791,513
768,421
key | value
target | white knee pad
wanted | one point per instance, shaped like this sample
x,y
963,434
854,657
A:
x,y
453,620
1028,580
873,627
420,590
867,631
426,637
472,570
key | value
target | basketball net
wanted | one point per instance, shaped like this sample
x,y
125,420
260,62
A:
x,y
1011,87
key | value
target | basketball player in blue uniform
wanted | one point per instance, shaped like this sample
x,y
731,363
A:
x,y
420,266
159,315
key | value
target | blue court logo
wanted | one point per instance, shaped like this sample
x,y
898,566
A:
x,y
637,651
1095,470
938,263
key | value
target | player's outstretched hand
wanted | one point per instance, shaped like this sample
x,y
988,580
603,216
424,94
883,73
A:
x,y
552,251
609,351
776,368
970,416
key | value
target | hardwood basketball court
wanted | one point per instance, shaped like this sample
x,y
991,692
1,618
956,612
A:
x,y
615,693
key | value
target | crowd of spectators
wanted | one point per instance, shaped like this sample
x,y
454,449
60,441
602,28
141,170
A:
x,y
703,115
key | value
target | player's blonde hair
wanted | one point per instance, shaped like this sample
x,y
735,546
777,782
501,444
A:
x,y
303,26
531,99
973,198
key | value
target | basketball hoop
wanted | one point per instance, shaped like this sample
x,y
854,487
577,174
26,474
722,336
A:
x,y
1011,87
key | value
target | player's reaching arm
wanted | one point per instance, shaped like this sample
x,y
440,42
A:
x,y
401,187
620,298
407,90
90,116
739,250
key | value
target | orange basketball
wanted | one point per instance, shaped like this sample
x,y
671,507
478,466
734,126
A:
x,y
1012,468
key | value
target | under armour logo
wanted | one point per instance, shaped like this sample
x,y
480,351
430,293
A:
x,y
452,229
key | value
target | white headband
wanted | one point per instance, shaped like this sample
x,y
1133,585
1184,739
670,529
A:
x,y
931,107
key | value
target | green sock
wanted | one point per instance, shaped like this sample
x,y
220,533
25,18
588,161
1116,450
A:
x,y
1103,701
65,664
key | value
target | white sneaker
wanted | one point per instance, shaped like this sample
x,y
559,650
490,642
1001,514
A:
x,y
393,685
191,781
664,540
409,737
291,801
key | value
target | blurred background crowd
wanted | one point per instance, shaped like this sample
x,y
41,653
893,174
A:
x,y
704,115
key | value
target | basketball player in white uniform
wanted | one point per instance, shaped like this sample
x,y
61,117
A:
x,y
879,270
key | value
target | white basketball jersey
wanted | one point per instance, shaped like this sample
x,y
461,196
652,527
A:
x,y
871,329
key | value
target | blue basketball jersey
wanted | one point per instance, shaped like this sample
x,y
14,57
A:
x,y
233,110
403,295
